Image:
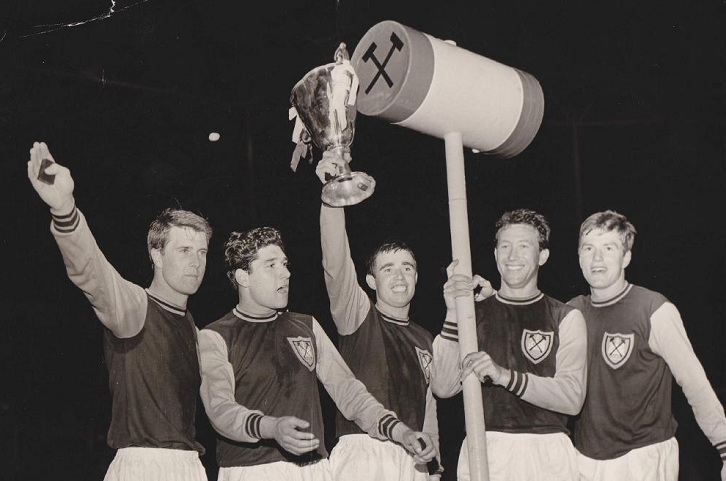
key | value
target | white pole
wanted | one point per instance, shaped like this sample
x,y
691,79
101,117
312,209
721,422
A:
x,y
459,224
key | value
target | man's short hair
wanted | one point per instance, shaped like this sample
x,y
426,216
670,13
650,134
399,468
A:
x,y
528,217
242,247
159,229
607,221
387,246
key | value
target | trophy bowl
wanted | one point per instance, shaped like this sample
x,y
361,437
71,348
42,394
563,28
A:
x,y
324,100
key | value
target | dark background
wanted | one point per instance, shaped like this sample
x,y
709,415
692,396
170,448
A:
x,y
125,94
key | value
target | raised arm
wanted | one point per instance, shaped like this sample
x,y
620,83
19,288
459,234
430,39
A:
x,y
119,304
349,303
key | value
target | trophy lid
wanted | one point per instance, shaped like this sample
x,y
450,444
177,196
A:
x,y
341,55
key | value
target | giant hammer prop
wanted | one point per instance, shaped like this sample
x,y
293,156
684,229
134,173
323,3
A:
x,y
432,86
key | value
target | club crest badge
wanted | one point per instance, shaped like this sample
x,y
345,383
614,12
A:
x,y
304,350
616,348
536,345
424,359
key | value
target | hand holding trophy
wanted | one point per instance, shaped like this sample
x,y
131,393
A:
x,y
324,104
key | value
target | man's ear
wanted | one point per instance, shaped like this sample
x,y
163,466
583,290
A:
x,y
242,278
544,254
156,258
371,281
627,258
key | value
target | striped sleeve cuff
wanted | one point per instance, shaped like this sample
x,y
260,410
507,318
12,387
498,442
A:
x,y
252,426
721,447
517,383
67,223
386,425
450,331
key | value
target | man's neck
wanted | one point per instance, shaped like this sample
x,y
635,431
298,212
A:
x,y
253,309
607,293
394,312
164,293
526,292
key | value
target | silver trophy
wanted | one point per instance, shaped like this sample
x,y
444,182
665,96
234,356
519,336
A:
x,y
324,103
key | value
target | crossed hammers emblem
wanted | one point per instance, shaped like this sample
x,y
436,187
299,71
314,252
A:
x,y
536,345
396,44
616,348
616,344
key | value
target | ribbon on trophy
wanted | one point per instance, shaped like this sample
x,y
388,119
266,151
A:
x,y
341,92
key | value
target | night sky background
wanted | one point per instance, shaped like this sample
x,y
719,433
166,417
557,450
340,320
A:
x,y
125,93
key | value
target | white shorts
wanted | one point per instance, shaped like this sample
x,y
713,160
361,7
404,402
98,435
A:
x,y
359,457
525,457
155,464
278,471
656,462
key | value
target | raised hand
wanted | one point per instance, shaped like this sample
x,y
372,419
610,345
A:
x,y
459,285
331,165
58,194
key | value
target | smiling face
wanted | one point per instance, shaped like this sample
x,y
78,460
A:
x,y
264,288
603,260
519,258
179,267
394,280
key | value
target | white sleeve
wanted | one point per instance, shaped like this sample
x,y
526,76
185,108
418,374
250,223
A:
x,y
229,418
669,340
349,303
120,305
565,392
446,367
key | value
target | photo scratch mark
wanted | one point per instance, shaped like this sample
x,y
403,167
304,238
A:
x,y
49,28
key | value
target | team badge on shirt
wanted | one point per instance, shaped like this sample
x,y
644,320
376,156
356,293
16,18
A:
x,y
536,345
616,348
304,350
424,359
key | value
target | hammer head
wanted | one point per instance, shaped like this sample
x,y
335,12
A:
x,y
417,81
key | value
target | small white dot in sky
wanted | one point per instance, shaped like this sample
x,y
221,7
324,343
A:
x,y
213,137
